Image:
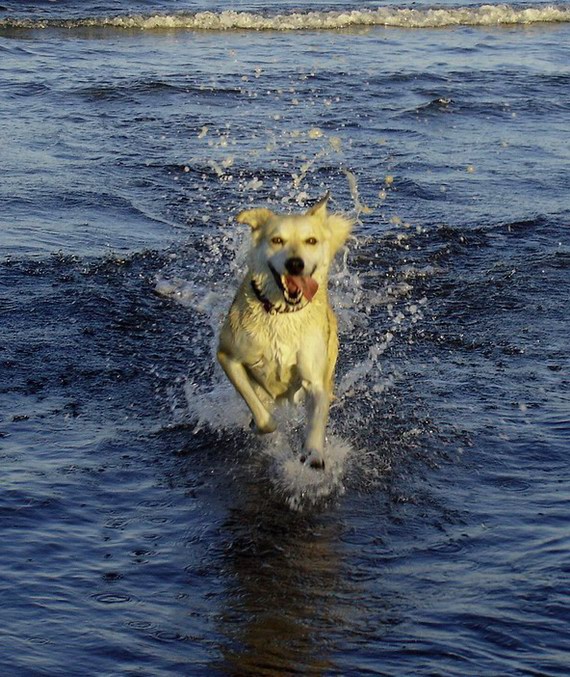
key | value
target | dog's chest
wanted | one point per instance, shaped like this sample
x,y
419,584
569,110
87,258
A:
x,y
280,350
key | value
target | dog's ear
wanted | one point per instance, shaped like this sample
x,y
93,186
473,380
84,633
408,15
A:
x,y
320,209
340,227
255,218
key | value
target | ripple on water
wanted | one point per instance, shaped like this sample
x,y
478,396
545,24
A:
x,y
111,598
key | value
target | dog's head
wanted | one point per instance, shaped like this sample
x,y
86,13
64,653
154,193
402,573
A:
x,y
292,253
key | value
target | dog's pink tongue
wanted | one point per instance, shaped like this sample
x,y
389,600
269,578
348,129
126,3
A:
x,y
305,283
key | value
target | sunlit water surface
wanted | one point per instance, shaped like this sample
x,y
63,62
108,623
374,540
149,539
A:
x,y
145,530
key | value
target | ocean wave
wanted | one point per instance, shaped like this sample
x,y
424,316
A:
x,y
484,15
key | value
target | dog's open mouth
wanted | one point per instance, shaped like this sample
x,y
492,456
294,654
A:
x,y
297,285
294,287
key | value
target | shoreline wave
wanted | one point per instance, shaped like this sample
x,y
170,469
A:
x,y
228,20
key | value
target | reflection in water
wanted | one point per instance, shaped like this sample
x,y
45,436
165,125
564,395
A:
x,y
284,573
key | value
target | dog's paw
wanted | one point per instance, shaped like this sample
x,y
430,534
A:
x,y
297,397
314,459
268,427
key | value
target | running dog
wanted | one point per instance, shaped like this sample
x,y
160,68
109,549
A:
x,y
279,339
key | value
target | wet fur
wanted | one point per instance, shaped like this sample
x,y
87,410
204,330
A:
x,y
275,345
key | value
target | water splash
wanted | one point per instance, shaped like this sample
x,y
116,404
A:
x,y
301,486
374,307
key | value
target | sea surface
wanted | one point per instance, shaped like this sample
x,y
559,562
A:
x,y
144,530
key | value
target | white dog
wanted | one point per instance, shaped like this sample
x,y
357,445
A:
x,y
280,339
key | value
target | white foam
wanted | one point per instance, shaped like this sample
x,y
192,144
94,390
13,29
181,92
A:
x,y
484,15
300,485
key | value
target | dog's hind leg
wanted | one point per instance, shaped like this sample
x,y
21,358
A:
x,y
239,378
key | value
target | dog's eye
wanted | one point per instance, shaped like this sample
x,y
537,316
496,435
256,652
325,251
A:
x,y
311,240
276,240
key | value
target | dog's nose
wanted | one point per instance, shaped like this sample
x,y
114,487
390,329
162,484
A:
x,y
295,265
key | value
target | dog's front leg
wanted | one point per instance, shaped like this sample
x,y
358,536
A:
x,y
318,411
239,378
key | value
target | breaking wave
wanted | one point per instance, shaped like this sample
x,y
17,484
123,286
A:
x,y
484,15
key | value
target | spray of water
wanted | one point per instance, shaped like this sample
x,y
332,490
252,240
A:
x,y
206,287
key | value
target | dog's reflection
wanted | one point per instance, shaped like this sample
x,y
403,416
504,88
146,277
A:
x,y
285,585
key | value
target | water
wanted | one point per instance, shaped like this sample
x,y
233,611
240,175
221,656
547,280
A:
x,y
145,530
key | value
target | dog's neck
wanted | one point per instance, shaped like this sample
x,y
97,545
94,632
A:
x,y
265,302
268,305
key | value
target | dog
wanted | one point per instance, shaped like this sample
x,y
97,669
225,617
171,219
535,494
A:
x,y
280,339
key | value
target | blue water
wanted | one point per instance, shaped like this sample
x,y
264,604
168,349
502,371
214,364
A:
x,y
145,531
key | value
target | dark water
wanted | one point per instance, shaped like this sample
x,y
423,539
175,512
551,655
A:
x,y
144,530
